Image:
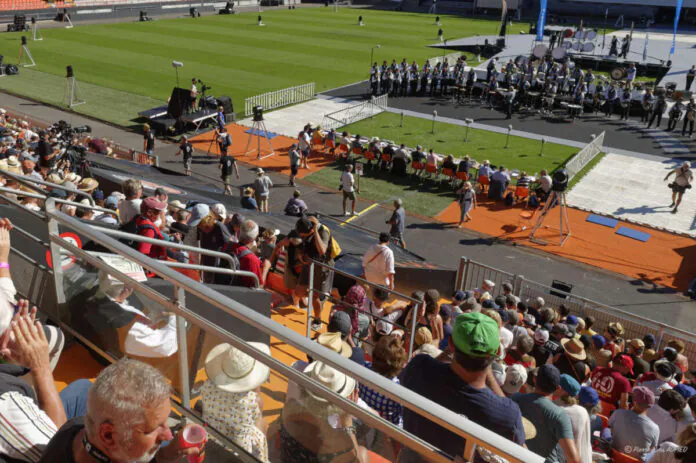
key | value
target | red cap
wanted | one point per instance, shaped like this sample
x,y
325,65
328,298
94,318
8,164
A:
x,y
154,203
626,361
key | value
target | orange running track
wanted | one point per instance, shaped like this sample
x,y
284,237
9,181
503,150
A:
x,y
665,259
278,163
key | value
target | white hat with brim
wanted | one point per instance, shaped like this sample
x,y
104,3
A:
x,y
334,342
330,378
231,370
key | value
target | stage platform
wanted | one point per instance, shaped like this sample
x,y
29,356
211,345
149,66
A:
x,y
659,44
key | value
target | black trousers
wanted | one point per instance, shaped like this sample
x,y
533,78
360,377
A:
x,y
658,115
672,123
691,127
645,117
689,81
625,111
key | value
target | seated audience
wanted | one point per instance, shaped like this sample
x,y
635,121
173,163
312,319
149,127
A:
x,y
632,432
579,419
248,260
295,206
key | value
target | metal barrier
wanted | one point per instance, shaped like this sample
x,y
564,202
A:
x,y
585,156
356,113
472,273
416,303
474,434
279,98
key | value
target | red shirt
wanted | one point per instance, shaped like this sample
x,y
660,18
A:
x,y
610,384
150,250
250,263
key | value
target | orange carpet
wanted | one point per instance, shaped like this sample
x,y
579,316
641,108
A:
x,y
278,163
665,259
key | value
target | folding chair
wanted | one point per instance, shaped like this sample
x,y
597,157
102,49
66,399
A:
x,y
331,146
607,408
484,181
620,457
525,219
417,167
317,139
432,169
521,192
449,174
605,420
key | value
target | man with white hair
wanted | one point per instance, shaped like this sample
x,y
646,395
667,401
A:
x,y
126,421
682,182
484,292
248,260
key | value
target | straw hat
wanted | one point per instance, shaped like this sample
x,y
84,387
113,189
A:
x,y
574,348
72,177
231,370
54,178
334,342
330,378
176,205
87,184
530,431
3,164
12,161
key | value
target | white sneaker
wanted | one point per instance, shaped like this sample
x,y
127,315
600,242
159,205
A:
x,y
346,214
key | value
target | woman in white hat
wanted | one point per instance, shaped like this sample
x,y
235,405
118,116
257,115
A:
x,y
313,430
232,399
262,189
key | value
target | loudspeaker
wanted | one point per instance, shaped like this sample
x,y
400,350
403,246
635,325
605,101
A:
x,y
178,102
563,286
226,103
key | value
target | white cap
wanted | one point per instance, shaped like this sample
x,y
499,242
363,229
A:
x,y
515,377
219,210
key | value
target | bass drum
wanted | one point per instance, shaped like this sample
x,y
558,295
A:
x,y
580,35
618,73
591,35
540,50
577,46
521,59
567,45
588,47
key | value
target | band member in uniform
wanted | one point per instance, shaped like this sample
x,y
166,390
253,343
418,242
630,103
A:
x,y
580,90
614,48
689,117
675,113
490,90
550,94
589,78
612,95
598,98
435,80
374,83
424,78
445,77
490,69
470,81
625,100
631,75
509,100
690,77
658,110
413,78
405,81
648,102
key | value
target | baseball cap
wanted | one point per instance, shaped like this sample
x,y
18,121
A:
x,y
219,210
541,336
504,316
154,203
499,372
626,361
470,304
649,339
459,296
560,328
490,304
445,310
197,213
570,385
98,195
588,396
476,334
685,390
572,320
548,378
598,341
340,322
665,370
637,343
670,354
643,397
111,202
529,319
515,377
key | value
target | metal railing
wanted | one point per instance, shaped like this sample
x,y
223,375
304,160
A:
x,y
472,273
474,434
279,98
355,113
585,156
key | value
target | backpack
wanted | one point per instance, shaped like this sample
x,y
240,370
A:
x,y
333,250
509,199
293,210
234,264
133,228
533,201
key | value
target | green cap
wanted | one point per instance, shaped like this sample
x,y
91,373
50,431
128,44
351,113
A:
x,y
476,334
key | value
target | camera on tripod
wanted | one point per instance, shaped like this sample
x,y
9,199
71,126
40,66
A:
x,y
258,113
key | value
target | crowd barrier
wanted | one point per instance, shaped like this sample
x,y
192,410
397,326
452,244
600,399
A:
x,y
471,274
585,156
355,113
279,98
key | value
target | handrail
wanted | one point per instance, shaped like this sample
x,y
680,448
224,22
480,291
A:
x,y
27,194
207,268
25,180
169,244
471,431
14,202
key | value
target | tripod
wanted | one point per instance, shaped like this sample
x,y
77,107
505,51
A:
x,y
24,51
258,129
556,198
72,93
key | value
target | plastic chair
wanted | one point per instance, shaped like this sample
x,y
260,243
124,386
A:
x,y
448,173
370,156
607,408
417,167
525,219
521,192
462,176
386,158
605,420
317,139
484,181
358,150
432,169
620,457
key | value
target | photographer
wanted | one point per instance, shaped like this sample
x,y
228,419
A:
x,y
47,153
682,182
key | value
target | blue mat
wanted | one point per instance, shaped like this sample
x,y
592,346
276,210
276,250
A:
x,y
631,233
257,132
599,220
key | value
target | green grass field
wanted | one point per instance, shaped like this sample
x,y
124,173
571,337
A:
x,y
427,197
126,67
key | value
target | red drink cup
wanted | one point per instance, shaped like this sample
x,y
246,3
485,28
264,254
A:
x,y
194,436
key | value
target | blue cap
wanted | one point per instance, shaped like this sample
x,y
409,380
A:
x,y
598,341
98,195
548,378
111,202
570,385
588,396
489,304
571,320
459,296
685,390
649,337
503,315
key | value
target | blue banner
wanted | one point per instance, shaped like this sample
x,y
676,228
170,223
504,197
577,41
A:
x,y
541,22
676,23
